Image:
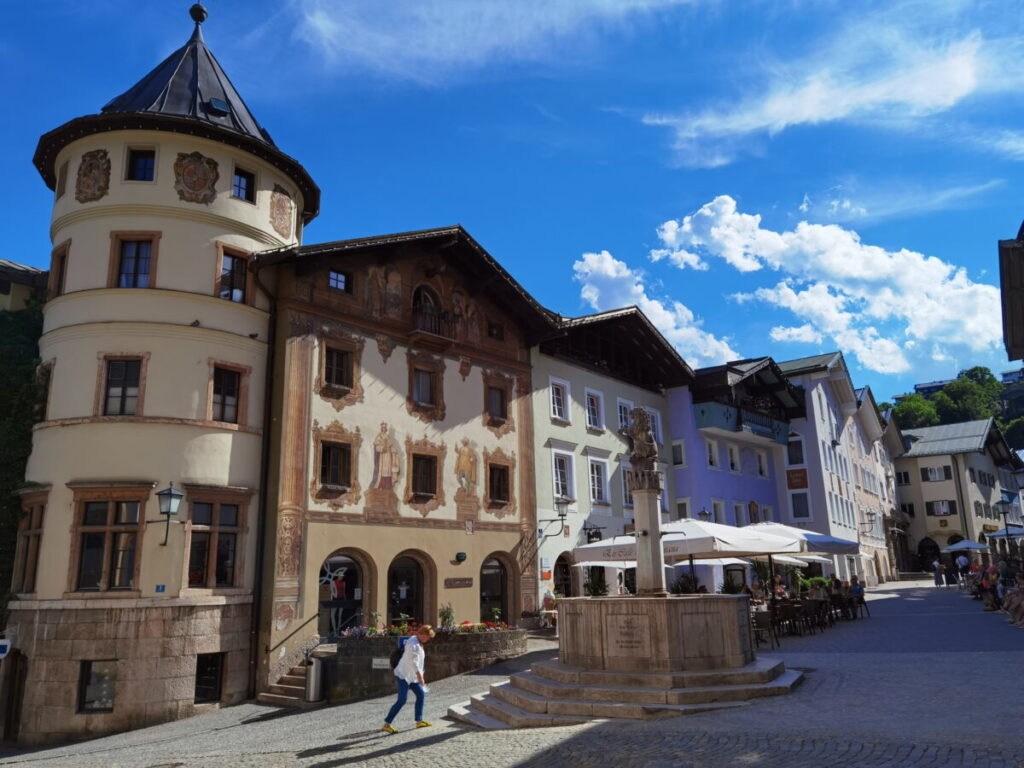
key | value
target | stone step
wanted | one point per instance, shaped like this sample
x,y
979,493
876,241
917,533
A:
x,y
546,688
465,713
293,702
294,691
761,670
299,671
297,680
915,576
538,705
519,718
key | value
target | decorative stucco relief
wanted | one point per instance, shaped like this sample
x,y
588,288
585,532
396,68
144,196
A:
x,y
195,177
424,503
385,346
337,497
282,211
504,507
289,543
93,180
333,335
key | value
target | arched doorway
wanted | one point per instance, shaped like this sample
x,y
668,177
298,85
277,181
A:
x,y
563,577
927,553
405,591
494,592
342,592
956,537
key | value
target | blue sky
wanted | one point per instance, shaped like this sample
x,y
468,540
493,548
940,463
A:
x,y
762,178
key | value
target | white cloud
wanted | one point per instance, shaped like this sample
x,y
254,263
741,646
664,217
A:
x,y
883,199
868,300
610,284
893,67
805,333
432,39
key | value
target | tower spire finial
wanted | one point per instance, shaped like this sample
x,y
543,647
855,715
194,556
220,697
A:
x,y
198,13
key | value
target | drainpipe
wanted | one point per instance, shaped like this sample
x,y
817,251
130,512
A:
x,y
960,496
261,523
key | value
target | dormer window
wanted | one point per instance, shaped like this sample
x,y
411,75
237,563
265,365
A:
x,y
141,165
243,186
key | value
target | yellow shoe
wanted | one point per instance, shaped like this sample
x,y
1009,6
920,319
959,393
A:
x,y
389,728
424,724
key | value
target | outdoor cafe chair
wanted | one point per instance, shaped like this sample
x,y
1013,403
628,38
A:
x,y
764,628
861,606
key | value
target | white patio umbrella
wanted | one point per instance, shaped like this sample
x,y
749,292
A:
x,y
966,545
815,559
693,539
810,541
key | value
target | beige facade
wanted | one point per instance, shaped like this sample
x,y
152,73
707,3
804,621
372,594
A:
x,y
954,495
136,352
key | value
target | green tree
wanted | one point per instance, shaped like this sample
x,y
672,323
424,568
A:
x,y
972,395
915,411
1014,433
21,400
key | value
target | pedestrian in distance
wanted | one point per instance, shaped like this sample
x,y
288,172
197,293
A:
x,y
939,567
409,675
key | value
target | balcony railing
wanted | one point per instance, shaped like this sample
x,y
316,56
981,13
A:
x,y
442,326
729,418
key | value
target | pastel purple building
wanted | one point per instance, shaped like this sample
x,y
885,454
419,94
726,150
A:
x,y
729,433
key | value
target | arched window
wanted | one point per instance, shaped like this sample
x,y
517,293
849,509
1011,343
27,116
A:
x,y
493,591
405,591
341,595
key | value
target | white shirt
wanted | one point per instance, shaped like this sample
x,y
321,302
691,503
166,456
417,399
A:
x,y
410,666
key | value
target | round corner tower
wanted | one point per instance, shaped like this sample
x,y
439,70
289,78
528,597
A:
x,y
156,340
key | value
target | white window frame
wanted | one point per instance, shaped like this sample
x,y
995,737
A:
x,y
685,501
589,393
736,467
803,450
792,514
627,497
767,514
681,444
761,457
711,452
605,500
619,402
562,384
738,513
717,511
570,469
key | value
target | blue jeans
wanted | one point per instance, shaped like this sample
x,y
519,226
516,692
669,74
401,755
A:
x,y
403,694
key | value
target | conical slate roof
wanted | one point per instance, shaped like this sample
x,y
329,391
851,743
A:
x,y
188,93
191,83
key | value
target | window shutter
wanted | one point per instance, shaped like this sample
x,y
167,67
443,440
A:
x,y
929,507
952,507
947,472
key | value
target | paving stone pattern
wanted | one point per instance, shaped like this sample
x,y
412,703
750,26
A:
x,y
929,681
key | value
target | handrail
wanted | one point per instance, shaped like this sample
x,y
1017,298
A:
x,y
292,633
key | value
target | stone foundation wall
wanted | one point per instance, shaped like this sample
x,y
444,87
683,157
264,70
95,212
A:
x,y
349,673
155,649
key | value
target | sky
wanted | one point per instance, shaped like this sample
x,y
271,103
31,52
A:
x,y
776,177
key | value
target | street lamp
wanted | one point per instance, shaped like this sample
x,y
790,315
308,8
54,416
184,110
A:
x,y
561,509
170,500
870,522
1004,505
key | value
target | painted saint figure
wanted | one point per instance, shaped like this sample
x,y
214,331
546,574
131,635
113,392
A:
x,y
465,467
386,467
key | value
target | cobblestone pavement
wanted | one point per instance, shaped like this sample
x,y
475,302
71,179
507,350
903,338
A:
x,y
928,681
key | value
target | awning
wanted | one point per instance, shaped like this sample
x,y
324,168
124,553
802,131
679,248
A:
x,y
810,541
784,560
816,559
